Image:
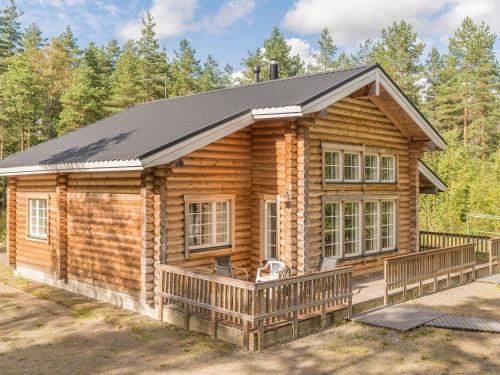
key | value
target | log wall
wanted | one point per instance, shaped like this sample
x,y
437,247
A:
x,y
360,122
223,167
32,253
105,218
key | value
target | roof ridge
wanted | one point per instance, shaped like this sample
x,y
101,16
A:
x,y
330,71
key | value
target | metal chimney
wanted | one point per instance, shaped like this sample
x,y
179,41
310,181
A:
x,y
256,74
273,69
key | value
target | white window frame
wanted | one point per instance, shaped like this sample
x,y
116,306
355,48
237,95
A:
x,y
394,225
358,240
339,168
377,167
37,234
358,155
394,168
337,229
361,200
376,226
264,228
213,200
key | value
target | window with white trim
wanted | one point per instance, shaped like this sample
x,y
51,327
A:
x,y
208,224
351,167
332,165
388,225
271,230
371,226
38,218
387,168
351,229
332,229
358,227
371,168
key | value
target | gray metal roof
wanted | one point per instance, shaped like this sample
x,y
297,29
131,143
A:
x,y
150,127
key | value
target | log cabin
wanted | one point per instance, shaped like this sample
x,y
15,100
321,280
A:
x,y
292,169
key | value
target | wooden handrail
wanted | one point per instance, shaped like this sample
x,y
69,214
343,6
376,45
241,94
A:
x,y
243,303
415,269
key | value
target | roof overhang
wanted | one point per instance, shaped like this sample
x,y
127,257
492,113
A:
x,y
180,148
433,184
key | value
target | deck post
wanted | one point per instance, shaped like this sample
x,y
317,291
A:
x,y
386,287
162,290
213,314
260,335
246,334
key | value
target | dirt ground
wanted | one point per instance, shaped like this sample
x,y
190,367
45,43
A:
x,y
44,330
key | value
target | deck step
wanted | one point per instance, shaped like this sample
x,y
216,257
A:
x,y
466,323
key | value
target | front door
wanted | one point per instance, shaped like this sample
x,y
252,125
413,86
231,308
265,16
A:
x,y
269,229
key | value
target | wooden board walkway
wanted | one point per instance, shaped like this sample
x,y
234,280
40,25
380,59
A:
x,y
398,317
465,323
493,279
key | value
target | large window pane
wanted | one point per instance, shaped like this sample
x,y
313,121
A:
x,y
371,168
38,218
332,166
208,224
351,166
332,229
388,225
351,228
388,168
371,227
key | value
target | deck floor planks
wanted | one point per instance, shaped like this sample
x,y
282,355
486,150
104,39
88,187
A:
x,y
465,323
493,279
398,317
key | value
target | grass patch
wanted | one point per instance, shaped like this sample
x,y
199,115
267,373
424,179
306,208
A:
x,y
81,313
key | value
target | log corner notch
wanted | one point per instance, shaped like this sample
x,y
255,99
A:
x,y
61,242
416,149
153,193
11,221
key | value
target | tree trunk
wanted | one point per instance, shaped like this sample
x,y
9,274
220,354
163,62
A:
x,y
465,126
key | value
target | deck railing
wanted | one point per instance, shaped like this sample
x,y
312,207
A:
x,y
252,306
483,245
415,270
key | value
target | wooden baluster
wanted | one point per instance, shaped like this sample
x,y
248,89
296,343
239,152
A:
x,y
213,314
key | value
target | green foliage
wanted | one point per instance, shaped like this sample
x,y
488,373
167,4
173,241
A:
x,y
325,58
185,70
10,32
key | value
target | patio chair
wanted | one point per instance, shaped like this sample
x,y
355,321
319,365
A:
x,y
224,268
327,263
277,270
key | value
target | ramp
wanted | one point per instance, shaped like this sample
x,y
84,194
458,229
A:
x,y
397,317
465,323
493,279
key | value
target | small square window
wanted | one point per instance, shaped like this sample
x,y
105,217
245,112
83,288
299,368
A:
x,y
38,218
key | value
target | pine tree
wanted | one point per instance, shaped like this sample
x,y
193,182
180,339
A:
x,y
10,32
212,77
126,84
274,48
185,70
21,105
433,74
325,58
153,67
364,54
399,52
32,37
469,93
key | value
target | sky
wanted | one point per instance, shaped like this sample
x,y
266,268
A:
x,y
227,29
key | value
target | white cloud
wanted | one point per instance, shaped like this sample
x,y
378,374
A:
x,y
355,20
302,48
171,18
174,17
228,14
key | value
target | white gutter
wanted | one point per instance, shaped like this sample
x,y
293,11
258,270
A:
x,y
94,166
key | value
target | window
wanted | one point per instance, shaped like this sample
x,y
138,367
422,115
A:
x,y
371,168
351,229
357,227
332,229
371,227
344,163
351,166
388,168
332,166
208,224
38,218
388,225
271,230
